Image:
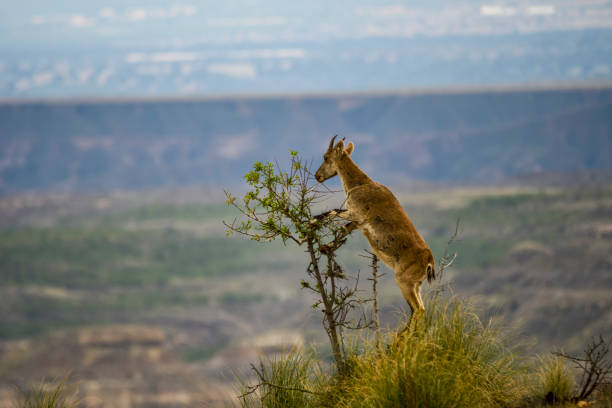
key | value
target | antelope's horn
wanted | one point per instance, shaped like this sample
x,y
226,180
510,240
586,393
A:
x,y
331,143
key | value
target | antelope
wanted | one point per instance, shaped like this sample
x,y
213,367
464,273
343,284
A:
x,y
375,211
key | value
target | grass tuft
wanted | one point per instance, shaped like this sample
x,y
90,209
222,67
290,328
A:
x,y
451,359
289,380
45,396
554,381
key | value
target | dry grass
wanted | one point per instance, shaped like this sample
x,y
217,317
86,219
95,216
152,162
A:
x,y
45,395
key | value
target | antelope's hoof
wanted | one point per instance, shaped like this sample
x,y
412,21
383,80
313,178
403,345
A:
x,y
314,220
319,217
325,249
336,212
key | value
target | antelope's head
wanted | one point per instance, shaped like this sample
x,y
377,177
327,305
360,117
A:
x,y
329,167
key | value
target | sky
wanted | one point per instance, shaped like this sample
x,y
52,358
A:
x,y
111,48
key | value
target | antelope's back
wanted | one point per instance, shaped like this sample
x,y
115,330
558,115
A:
x,y
385,223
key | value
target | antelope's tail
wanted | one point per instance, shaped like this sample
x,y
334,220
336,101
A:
x,y
431,273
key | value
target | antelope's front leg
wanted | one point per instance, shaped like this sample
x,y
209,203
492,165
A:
x,y
338,212
350,227
347,215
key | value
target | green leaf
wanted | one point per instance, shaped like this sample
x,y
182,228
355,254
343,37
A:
x,y
252,177
230,200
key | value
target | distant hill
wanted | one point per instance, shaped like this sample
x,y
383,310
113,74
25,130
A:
x,y
468,137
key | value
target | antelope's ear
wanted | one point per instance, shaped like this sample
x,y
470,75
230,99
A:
x,y
349,149
340,146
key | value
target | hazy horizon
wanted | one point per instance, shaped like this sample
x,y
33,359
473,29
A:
x,y
113,49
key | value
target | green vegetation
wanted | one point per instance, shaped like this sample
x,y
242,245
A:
x,y
58,395
492,224
128,258
199,353
241,297
541,258
42,314
554,380
291,380
192,212
103,267
82,258
451,360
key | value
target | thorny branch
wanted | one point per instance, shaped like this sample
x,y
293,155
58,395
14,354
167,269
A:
x,y
447,259
445,262
374,280
596,366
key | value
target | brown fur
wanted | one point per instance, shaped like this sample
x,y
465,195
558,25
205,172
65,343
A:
x,y
372,207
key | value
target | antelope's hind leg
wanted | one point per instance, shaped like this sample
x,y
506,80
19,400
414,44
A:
x,y
412,293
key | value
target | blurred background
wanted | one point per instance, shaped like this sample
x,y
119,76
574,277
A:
x,y
121,122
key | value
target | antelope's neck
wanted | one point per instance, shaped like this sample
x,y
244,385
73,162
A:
x,y
351,175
